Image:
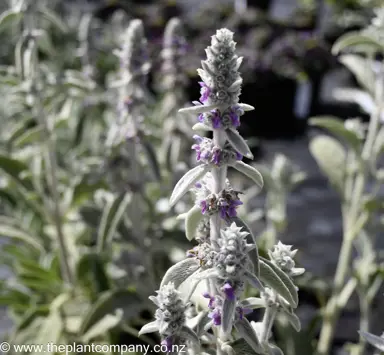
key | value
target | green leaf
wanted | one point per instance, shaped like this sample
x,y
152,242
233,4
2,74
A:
x,y
192,220
330,155
336,127
90,271
110,220
358,42
278,281
187,182
249,172
9,17
238,143
108,303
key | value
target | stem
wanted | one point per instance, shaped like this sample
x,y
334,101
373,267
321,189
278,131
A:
x,y
365,313
268,319
51,163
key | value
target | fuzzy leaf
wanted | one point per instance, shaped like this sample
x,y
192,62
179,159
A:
x,y
179,272
274,350
357,41
293,319
249,172
186,182
376,341
238,143
246,107
278,281
192,220
336,127
197,109
201,127
247,332
330,156
254,281
241,347
148,328
253,303
227,315
189,334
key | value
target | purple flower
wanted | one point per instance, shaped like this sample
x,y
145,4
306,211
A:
x,y
243,311
234,118
211,304
216,120
167,343
198,185
216,156
215,316
229,291
231,210
200,118
204,206
192,252
239,156
204,91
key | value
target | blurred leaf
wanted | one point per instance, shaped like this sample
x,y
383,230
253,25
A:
x,y
54,19
152,159
91,273
9,230
110,220
101,328
30,136
377,342
108,303
330,156
50,332
362,69
336,127
358,42
9,17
